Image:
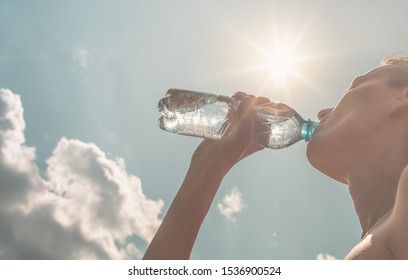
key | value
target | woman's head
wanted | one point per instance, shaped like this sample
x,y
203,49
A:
x,y
352,130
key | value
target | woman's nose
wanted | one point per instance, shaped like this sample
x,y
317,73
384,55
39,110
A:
x,y
323,113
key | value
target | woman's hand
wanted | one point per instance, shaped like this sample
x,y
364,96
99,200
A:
x,y
242,138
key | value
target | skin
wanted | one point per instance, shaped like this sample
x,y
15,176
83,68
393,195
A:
x,y
361,142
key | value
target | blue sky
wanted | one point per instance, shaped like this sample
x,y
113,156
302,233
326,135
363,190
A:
x,y
86,171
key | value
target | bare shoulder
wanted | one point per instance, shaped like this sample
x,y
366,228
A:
x,y
401,201
388,239
398,222
375,245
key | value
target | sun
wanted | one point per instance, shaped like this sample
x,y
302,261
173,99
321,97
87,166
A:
x,y
279,60
281,63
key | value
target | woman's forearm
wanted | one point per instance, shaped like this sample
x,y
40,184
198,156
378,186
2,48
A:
x,y
177,233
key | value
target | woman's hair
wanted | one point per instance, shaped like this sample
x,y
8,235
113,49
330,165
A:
x,y
400,56
400,71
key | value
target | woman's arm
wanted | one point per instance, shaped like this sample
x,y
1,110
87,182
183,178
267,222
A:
x,y
210,163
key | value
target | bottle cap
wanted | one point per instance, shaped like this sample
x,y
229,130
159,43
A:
x,y
308,128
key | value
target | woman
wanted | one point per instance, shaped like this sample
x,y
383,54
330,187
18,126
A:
x,y
361,142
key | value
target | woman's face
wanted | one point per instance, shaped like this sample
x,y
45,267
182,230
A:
x,y
348,127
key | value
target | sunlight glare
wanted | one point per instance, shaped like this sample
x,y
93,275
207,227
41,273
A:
x,y
278,61
281,63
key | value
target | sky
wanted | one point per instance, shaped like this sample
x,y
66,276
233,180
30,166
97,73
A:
x,y
85,172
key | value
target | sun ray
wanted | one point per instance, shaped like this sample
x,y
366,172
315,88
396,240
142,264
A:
x,y
280,59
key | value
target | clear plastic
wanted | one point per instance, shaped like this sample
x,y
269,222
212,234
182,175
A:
x,y
208,116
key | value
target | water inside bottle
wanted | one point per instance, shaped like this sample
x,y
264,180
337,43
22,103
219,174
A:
x,y
195,114
275,112
283,124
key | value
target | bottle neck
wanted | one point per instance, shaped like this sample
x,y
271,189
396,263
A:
x,y
308,128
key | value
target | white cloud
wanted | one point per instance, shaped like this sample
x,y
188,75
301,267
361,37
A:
x,y
325,256
88,206
231,204
81,56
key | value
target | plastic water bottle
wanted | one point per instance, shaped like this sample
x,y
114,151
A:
x,y
208,116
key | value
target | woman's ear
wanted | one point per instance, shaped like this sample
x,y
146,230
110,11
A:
x,y
399,104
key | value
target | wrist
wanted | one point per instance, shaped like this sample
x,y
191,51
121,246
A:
x,y
213,158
